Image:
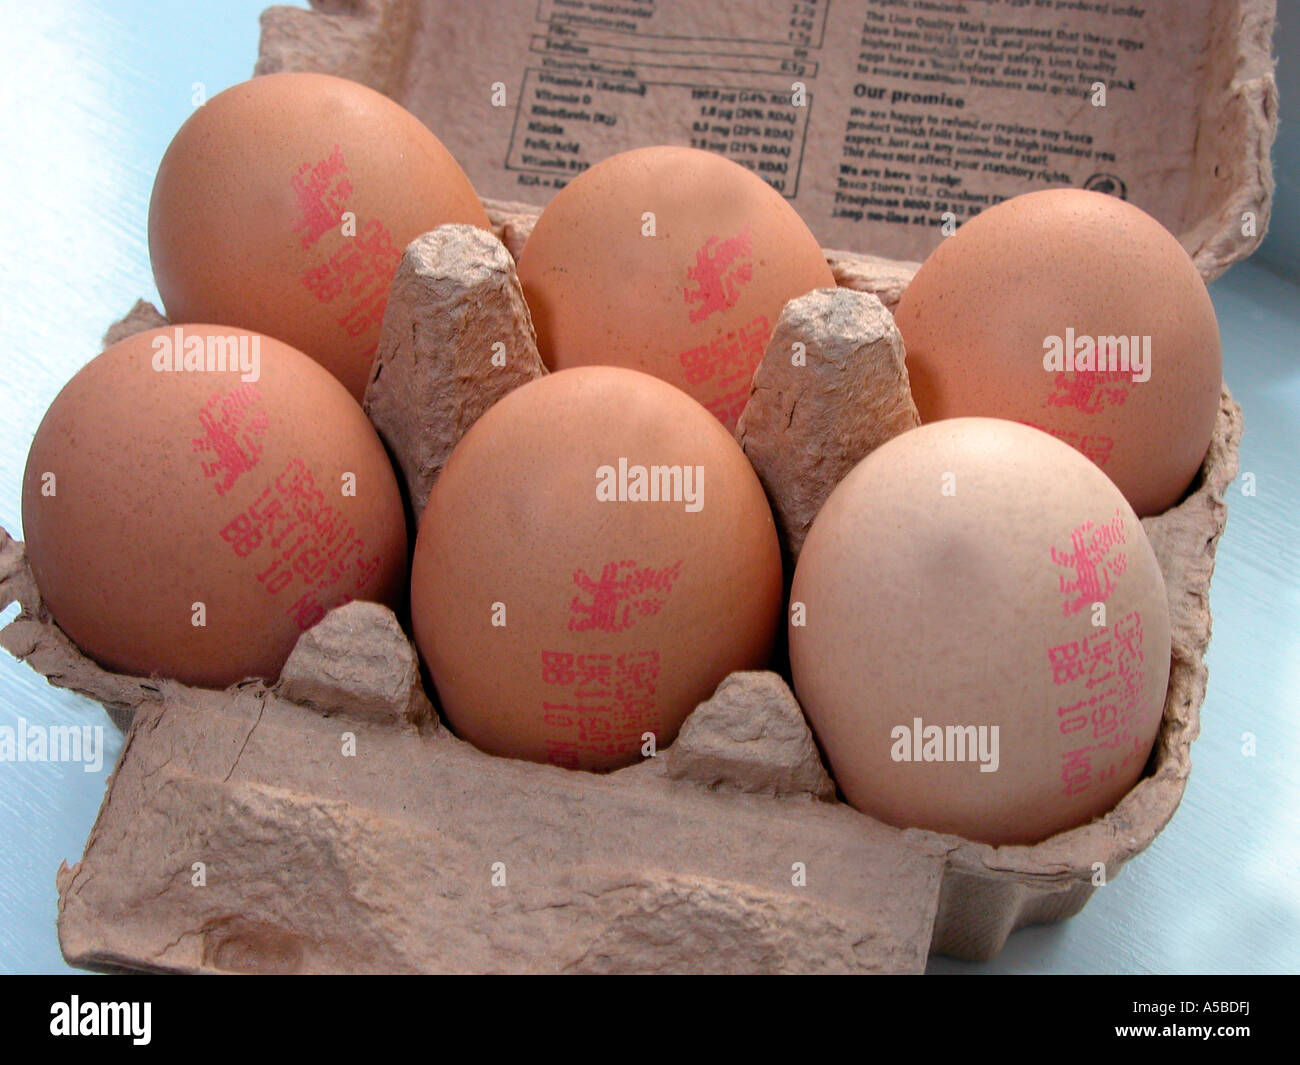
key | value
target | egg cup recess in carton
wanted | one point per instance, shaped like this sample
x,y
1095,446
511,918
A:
x,y
425,854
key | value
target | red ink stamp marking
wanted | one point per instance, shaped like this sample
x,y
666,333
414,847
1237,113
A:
x,y
359,271
1090,391
1105,672
1095,561
619,596
299,536
1095,446
721,267
603,703
728,360
322,190
233,424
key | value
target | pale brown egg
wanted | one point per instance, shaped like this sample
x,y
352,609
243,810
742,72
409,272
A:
x,y
1080,314
672,261
283,206
192,522
596,556
979,634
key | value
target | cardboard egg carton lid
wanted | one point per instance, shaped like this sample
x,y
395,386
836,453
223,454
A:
x,y
328,823
872,122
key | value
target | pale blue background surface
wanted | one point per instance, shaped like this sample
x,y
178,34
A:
x,y
90,94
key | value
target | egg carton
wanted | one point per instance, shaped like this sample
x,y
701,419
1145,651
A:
x,y
237,836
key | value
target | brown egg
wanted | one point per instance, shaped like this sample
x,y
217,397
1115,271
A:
x,y
1079,314
979,634
596,556
283,206
672,261
191,522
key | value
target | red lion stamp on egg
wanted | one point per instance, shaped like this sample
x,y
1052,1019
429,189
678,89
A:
x,y
620,595
1094,561
721,267
233,424
322,190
